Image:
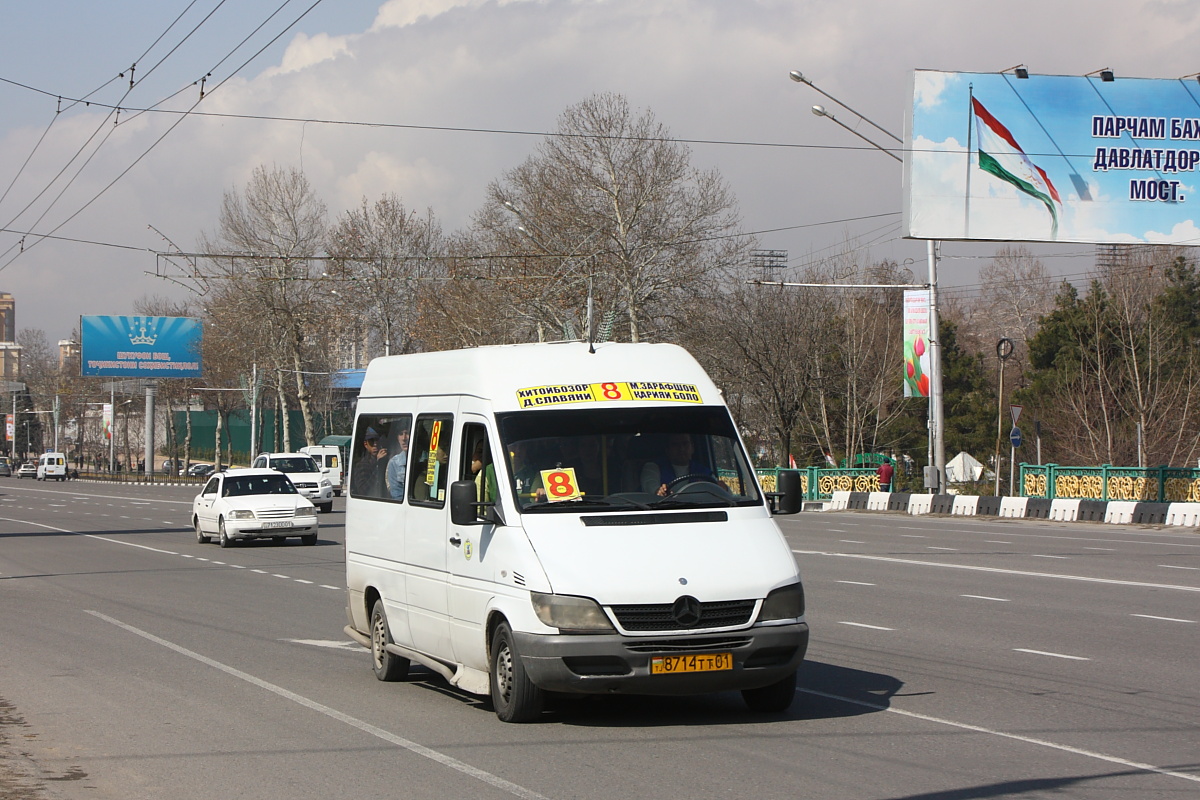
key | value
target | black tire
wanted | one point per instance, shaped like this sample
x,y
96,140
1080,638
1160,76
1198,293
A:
x,y
387,666
327,508
514,697
308,539
773,698
223,538
200,537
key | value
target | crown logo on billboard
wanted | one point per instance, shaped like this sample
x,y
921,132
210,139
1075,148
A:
x,y
140,336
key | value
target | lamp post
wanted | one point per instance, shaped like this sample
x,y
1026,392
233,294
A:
x,y
936,412
1004,349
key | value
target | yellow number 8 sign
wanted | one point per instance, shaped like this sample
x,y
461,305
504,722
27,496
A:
x,y
560,484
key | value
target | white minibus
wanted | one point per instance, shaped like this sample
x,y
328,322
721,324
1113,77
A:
x,y
52,466
566,517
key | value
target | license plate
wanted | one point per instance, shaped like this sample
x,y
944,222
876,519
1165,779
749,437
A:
x,y
708,662
282,524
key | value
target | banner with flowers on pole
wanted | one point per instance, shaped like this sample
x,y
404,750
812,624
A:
x,y
916,343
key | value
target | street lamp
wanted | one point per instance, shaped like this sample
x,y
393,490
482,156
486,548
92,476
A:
x,y
821,111
937,443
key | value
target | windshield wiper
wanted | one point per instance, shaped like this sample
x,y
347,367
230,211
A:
x,y
589,502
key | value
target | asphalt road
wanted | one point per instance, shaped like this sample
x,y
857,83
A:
x,y
952,658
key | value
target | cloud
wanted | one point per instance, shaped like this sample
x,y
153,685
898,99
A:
x,y
305,51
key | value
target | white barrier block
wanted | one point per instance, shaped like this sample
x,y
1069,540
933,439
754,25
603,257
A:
x,y
1183,514
840,501
965,505
878,501
1064,510
1119,511
919,503
1013,507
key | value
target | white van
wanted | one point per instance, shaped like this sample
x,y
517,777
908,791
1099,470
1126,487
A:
x,y
304,473
52,466
329,459
538,518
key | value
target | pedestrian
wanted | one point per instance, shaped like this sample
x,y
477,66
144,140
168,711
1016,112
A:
x,y
885,473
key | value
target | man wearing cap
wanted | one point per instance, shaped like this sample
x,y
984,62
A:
x,y
367,478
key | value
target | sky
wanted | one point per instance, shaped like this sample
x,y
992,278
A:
x,y
433,99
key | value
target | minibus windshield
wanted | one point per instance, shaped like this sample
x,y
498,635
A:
x,y
626,458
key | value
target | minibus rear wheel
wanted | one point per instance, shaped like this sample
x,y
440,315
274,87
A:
x,y
514,696
387,666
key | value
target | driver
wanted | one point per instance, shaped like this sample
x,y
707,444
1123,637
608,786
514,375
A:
x,y
678,462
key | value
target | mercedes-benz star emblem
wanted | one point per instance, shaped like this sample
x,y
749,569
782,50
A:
x,y
686,612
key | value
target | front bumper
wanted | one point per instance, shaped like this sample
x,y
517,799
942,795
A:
x,y
253,528
616,664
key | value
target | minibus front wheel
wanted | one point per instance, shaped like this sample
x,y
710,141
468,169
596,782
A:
x,y
514,696
772,698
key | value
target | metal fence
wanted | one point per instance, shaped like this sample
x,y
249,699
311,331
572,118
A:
x,y
819,483
1151,484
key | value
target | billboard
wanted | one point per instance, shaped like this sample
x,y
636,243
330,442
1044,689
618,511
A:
x,y
1053,158
140,347
916,343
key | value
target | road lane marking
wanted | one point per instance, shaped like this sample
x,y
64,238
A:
x,y
1066,748
1105,549
997,541
857,583
985,597
999,571
913,536
951,549
1052,655
379,733
1039,555
850,541
1164,619
340,644
335,588
1176,566
864,625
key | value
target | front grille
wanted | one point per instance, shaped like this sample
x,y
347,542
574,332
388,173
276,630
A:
x,y
306,486
697,645
658,617
275,513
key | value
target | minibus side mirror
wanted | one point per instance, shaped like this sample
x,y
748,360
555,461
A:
x,y
464,501
789,499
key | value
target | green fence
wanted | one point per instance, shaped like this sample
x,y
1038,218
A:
x,y
1153,484
819,483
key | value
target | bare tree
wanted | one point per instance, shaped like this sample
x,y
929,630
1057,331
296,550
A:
x,y
612,209
268,236
382,252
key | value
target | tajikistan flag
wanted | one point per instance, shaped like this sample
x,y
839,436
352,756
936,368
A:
x,y
1000,155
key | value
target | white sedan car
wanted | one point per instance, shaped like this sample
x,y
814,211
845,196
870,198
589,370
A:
x,y
252,504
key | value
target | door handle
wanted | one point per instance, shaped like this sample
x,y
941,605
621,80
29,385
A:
x,y
454,540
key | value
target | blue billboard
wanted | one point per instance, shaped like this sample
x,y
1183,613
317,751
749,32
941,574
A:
x,y
140,347
1053,158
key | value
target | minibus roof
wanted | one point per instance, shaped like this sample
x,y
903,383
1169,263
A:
x,y
547,375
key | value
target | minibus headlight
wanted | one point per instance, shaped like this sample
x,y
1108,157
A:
x,y
786,602
570,614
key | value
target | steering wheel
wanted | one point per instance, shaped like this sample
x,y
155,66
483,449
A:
x,y
694,477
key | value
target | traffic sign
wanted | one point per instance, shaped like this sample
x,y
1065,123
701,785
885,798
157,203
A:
x,y
1015,412
1014,436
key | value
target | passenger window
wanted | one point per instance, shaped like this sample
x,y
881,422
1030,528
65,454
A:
x,y
379,458
431,457
210,487
478,465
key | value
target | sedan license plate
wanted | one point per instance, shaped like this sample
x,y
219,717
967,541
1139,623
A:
x,y
708,662
279,524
